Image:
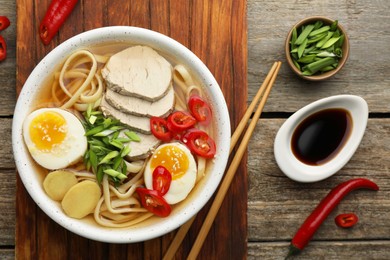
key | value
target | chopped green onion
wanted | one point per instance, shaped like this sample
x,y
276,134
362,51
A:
x,y
338,52
307,73
115,135
327,68
104,133
116,174
333,26
326,54
116,143
296,64
317,24
303,36
340,42
116,128
307,58
324,40
100,149
92,119
293,38
133,136
317,38
124,168
93,160
123,139
106,140
330,42
319,31
107,122
301,48
89,110
126,150
94,130
109,156
117,162
99,174
318,65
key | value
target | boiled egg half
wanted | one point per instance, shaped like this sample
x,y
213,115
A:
x,y
54,137
178,160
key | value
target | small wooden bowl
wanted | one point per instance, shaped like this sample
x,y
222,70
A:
x,y
325,75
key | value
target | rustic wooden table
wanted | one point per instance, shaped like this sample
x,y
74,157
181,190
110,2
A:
x,y
276,206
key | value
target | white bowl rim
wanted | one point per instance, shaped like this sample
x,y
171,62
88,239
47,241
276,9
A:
x,y
301,172
135,35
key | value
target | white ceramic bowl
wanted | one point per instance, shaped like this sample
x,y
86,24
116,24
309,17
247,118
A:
x,y
155,226
301,172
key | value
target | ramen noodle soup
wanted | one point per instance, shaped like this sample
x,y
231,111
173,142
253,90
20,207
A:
x,y
120,133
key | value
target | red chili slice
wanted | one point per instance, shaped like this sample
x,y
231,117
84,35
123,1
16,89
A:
x,y
3,49
179,121
159,129
154,202
346,220
55,16
200,109
4,22
200,143
162,179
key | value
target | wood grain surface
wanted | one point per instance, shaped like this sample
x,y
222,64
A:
x,y
203,27
276,205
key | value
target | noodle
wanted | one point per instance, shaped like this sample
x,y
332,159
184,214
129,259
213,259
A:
x,y
201,168
191,89
107,196
135,167
102,220
87,86
126,186
180,104
129,192
182,77
111,213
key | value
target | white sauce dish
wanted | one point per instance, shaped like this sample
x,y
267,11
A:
x,y
320,138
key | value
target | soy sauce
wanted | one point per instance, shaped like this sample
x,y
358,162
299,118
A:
x,y
319,138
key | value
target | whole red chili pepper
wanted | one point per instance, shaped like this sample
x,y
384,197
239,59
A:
x,y
3,49
55,16
346,220
319,214
4,22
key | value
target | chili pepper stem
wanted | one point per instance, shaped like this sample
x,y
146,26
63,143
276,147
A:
x,y
292,250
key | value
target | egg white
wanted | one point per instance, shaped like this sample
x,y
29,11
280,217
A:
x,y
180,187
68,152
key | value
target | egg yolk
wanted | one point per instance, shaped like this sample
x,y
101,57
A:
x,y
173,159
47,130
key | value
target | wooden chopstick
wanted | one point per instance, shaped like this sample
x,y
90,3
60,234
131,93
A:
x,y
244,120
181,233
230,172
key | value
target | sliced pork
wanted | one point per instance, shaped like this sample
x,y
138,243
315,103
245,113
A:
x,y
137,123
141,150
141,107
138,71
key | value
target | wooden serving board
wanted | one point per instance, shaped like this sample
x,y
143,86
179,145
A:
x,y
216,32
